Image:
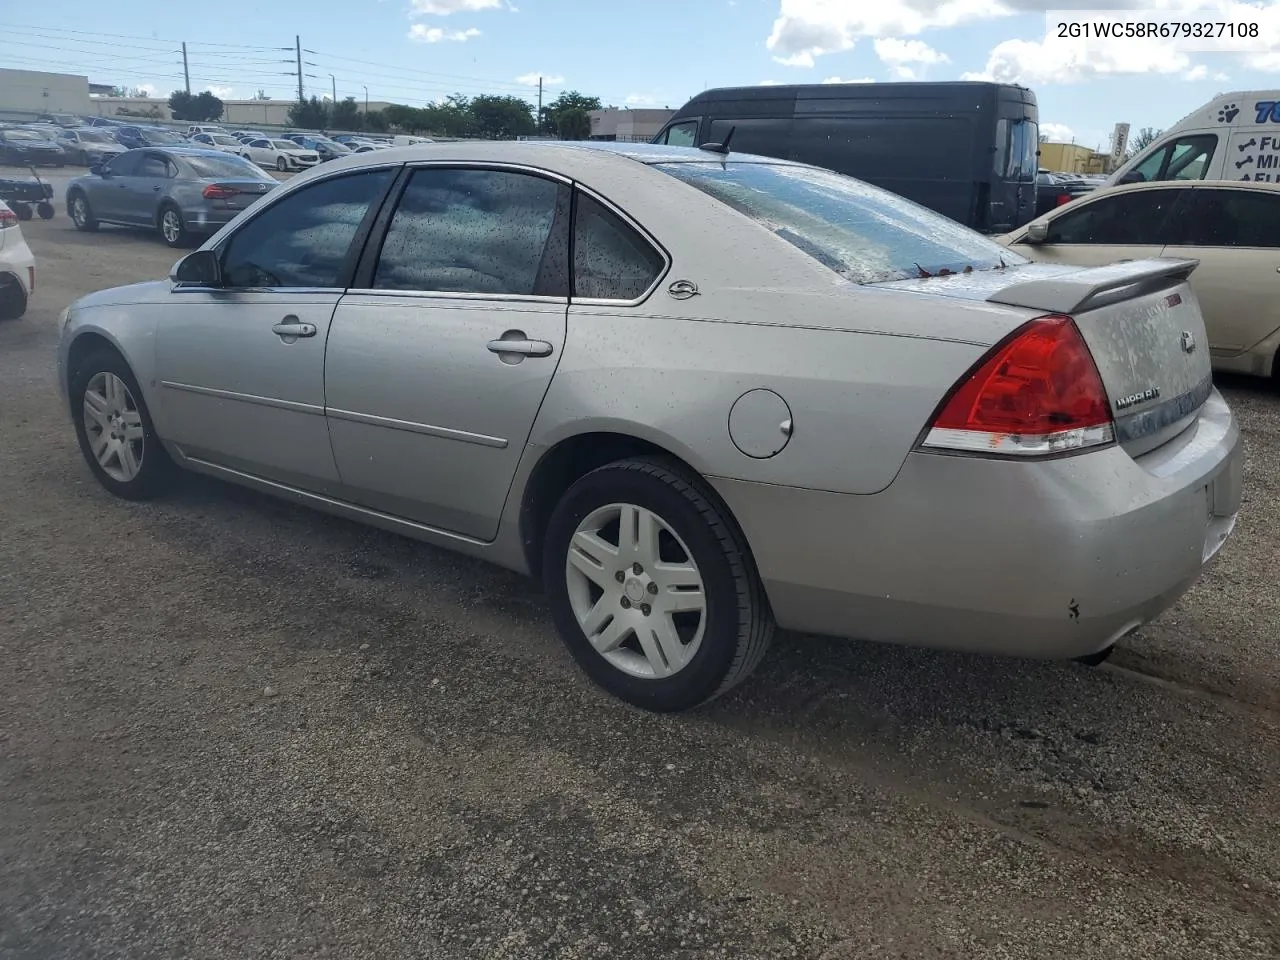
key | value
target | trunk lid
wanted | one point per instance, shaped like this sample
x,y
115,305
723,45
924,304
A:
x,y
236,194
1140,320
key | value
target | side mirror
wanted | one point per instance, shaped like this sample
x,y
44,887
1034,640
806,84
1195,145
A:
x,y
97,170
201,268
1133,176
1037,233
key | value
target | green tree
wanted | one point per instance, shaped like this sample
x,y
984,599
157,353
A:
x,y
374,121
309,114
452,117
345,115
502,118
573,124
1141,140
568,105
198,107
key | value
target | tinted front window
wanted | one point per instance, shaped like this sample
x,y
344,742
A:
x,y
863,233
161,136
1186,158
304,239
477,231
610,260
1232,218
284,145
682,134
1129,218
123,165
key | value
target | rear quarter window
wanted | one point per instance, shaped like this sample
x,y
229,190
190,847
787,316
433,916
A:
x,y
863,233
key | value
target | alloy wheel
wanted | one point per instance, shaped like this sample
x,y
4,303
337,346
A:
x,y
113,425
636,591
79,211
171,226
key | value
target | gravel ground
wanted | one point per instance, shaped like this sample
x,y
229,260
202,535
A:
x,y
234,728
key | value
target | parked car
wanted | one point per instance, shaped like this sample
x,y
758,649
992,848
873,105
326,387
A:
x,y
279,153
325,148
696,393
87,146
17,266
218,141
181,192
69,120
103,122
249,135
26,147
1056,189
196,128
1231,227
134,137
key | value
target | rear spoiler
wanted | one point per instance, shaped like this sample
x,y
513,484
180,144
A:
x,y
1094,287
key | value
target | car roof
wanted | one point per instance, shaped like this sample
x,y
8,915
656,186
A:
x,y
1260,186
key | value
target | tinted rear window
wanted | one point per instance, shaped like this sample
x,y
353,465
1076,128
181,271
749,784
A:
x,y
222,168
863,233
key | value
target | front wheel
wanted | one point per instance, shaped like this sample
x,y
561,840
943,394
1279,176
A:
x,y
652,587
114,428
82,213
282,164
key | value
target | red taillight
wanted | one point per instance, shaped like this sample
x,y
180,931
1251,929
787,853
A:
x,y
215,191
1064,198
8,219
1039,392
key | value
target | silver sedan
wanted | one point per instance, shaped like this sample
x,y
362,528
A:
x,y
698,394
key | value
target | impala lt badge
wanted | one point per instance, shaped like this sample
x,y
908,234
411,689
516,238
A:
x,y
1188,342
1133,399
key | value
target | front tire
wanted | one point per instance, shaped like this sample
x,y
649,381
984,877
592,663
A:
x,y
81,212
282,164
652,587
172,230
114,428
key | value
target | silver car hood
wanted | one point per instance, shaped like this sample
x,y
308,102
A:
x,y
148,291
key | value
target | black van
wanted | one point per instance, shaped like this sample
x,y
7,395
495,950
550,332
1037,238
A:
x,y
967,150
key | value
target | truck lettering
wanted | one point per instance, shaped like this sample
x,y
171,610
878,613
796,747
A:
x,y
1268,161
1268,111
1267,143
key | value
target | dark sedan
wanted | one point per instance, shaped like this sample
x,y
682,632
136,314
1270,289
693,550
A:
x,y
326,148
180,192
24,147
134,137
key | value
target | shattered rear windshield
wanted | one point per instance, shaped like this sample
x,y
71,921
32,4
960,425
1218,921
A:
x,y
863,233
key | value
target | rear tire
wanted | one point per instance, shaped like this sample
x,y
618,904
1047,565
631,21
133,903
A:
x,y
676,610
81,212
13,301
115,418
282,164
172,230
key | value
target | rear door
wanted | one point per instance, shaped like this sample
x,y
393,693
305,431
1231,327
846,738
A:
x,y
1132,225
1235,234
440,355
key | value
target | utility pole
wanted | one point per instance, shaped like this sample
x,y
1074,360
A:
x,y
186,74
297,46
335,89
539,105
366,97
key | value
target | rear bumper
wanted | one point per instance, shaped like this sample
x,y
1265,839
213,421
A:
x,y
202,220
1052,560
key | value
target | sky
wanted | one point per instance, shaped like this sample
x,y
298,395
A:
x,y
642,53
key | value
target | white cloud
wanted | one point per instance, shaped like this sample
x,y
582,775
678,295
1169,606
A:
x,y
548,80
901,56
148,89
640,100
807,29
841,80
436,35
1198,72
222,93
1057,132
1222,77
769,83
444,8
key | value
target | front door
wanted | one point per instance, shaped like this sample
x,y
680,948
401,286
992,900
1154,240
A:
x,y
440,355
144,186
1099,230
241,367
109,194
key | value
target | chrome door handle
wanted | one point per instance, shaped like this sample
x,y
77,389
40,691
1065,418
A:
x,y
524,348
294,329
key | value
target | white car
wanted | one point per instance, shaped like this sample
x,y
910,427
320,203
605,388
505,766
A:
x,y
219,141
17,267
198,128
281,154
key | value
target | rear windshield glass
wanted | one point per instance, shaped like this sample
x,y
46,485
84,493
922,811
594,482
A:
x,y
863,233
218,168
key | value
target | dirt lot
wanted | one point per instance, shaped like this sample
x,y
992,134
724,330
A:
x,y
234,728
